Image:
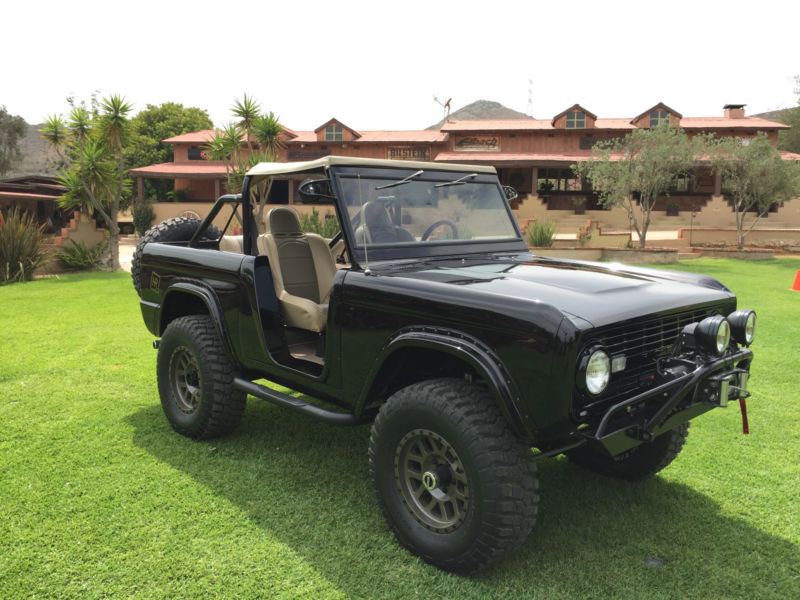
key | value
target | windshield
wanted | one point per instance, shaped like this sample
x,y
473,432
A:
x,y
425,208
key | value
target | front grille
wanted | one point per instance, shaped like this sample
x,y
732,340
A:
x,y
642,341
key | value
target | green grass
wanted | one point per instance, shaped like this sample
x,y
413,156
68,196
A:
x,y
99,498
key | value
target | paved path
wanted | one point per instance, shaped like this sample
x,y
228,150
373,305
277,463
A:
x,y
127,245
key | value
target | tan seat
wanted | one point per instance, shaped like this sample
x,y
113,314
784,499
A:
x,y
302,269
232,243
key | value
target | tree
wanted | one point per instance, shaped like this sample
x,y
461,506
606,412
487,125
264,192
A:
x,y
247,110
754,176
12,128
635,170
156,123
789,139
267,130
226,145
92,146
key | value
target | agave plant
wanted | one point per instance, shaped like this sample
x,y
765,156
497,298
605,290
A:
x,y
79,255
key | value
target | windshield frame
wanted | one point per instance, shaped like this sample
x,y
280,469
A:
x,y
391,252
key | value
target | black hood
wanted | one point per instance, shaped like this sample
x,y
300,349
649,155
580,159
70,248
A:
x,y
601,293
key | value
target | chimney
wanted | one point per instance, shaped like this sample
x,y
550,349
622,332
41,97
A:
x,y
734,111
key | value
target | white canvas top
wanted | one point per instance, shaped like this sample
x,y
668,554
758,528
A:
x,y
318,165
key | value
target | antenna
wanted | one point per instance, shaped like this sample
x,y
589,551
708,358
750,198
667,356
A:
x,y
367,271
530,98
445,107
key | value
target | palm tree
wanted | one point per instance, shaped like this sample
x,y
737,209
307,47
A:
x,y
247,110
80,124
267,130
114,132
54,131
114,122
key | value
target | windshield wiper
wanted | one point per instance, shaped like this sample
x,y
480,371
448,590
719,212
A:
x,y
401,182
459,181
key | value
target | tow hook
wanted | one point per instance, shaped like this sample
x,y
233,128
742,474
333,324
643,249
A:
x,y
156,344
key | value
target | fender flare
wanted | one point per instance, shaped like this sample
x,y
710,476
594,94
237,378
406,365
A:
x,y
209,299
470,351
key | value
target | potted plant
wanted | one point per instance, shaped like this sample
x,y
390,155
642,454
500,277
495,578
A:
x,y
673,209
545,186
579,204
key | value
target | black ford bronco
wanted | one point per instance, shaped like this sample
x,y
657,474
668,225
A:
x,y
427,316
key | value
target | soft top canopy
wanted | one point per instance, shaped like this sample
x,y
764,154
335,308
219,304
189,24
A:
x,y
272,169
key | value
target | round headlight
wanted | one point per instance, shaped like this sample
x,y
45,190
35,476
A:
x,y
723,337
743,326
598,371
713,334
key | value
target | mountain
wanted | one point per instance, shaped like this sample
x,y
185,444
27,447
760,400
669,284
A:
x,y
779,115
482,109
35,157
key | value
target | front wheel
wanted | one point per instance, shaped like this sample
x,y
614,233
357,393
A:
x,y
456,486
637,463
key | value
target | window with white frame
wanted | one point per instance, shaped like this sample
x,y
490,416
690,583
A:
x,y
576,119
659,117
334,133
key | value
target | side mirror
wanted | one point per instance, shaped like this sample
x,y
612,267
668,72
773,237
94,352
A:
x,y
510,192
314,189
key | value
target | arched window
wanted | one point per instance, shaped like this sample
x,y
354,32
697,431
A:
x,y
576,119
334,133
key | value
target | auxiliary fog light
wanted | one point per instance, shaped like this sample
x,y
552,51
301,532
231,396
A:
x,y
743,326
713,334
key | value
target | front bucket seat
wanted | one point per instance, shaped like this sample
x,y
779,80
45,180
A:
x,y
302,269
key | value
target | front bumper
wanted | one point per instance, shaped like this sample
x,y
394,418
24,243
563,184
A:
x,y
649,414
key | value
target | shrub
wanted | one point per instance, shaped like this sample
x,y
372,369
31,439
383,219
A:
x,y
80,256
179,195
327,227
541,234
143,217
21,247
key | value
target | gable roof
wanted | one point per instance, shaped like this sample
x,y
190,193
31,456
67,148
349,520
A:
x,y
338,122
570,109
659,106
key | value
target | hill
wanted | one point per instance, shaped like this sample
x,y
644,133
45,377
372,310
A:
x,y
482,109
779,115
35,158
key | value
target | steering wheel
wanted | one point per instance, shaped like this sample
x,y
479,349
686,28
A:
x,y
453,228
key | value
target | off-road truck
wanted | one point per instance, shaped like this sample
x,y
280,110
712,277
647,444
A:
x,y
427,316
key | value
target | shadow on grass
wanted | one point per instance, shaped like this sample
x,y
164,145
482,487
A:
x,y
306,484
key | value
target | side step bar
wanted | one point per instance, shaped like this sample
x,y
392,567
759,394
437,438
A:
x,y
292,403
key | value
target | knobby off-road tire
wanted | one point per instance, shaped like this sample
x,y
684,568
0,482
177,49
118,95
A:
x,y
485,475
177,229
195,380
639,462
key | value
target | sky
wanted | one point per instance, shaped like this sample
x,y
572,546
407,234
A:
x,y
378,65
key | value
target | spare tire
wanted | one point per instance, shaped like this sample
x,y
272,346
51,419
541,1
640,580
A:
x,y
177,229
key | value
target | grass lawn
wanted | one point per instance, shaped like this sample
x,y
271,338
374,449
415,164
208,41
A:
x,y
99,498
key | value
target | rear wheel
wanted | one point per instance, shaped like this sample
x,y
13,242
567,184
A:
x,y
195,380
456,486
637,463
177,229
